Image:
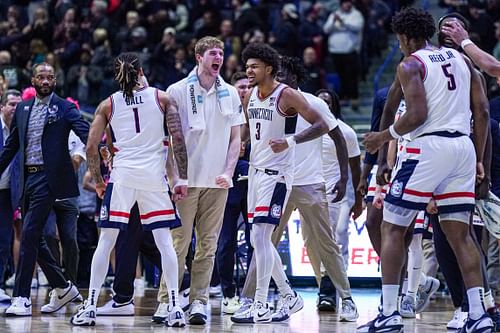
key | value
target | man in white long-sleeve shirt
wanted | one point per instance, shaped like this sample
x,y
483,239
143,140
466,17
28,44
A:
x,y
344,28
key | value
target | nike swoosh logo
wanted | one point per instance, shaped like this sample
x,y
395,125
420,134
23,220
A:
x,y
27,305
64,295
382,322
261,315
116,305
184,294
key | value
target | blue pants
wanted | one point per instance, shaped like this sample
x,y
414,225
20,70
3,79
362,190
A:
x,y
6,222
38,201
65,218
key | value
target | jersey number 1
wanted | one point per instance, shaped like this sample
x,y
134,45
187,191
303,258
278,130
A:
x,y
136,118
451,79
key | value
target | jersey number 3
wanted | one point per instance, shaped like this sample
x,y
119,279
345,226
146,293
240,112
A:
x,y
257,131
136,119
451,79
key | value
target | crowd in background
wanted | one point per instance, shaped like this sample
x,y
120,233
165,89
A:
x,y
80,38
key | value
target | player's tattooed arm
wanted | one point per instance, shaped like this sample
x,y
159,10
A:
x,y
174,125
292,102
96,129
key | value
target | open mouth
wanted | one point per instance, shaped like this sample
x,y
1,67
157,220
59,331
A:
x,y
215,67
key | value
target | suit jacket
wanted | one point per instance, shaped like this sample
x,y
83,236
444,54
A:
x,y
15,193
57,162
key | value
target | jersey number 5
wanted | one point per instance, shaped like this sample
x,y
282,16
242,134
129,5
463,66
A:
x,y
136,119
451,79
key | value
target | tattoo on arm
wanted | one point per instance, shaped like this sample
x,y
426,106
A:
x,y
96,129
178,144
94,164
312,132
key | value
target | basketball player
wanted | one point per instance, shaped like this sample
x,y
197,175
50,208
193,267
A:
x,y
272,110
137,116
439,161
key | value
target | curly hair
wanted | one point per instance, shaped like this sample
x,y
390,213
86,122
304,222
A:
x,y
414,23
263,52
336,108
127,66
295,66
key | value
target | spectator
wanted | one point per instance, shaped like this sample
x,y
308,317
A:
x,y
69,21
207,25
232,43
163,59
246,17
344,28
231,67
481,24
13,74
124,33
97,19
496,50
52,60
41,28
315,76
69,53
83,81
311,33
179,15
286,39
138,44
102,52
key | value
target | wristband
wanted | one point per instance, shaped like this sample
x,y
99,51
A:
x,y
393,132
181,182
291,141
466,42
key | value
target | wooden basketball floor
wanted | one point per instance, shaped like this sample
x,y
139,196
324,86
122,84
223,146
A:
x,y
307,320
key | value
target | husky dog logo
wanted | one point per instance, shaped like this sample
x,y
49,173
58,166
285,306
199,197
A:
x,y
276,211
397,189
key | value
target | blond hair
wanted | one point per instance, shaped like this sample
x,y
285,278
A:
x,y
207,43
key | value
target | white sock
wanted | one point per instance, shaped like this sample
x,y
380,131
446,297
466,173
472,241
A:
x,y
476,299
404,289
165,244
415,261
279,276
489,302
423,279
264,258
389,298
100,262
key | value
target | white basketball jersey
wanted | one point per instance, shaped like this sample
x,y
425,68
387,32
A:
x,y
399,113
267,122
138,134
447,87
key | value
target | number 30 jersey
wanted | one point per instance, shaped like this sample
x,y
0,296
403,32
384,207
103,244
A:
x,y
138,135
267,122
447,86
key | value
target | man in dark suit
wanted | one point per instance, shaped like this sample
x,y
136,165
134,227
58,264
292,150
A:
x,y
8,186
39,131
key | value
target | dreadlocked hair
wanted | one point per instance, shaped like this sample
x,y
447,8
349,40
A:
x,y
295,66
336,107
414,23
127,66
